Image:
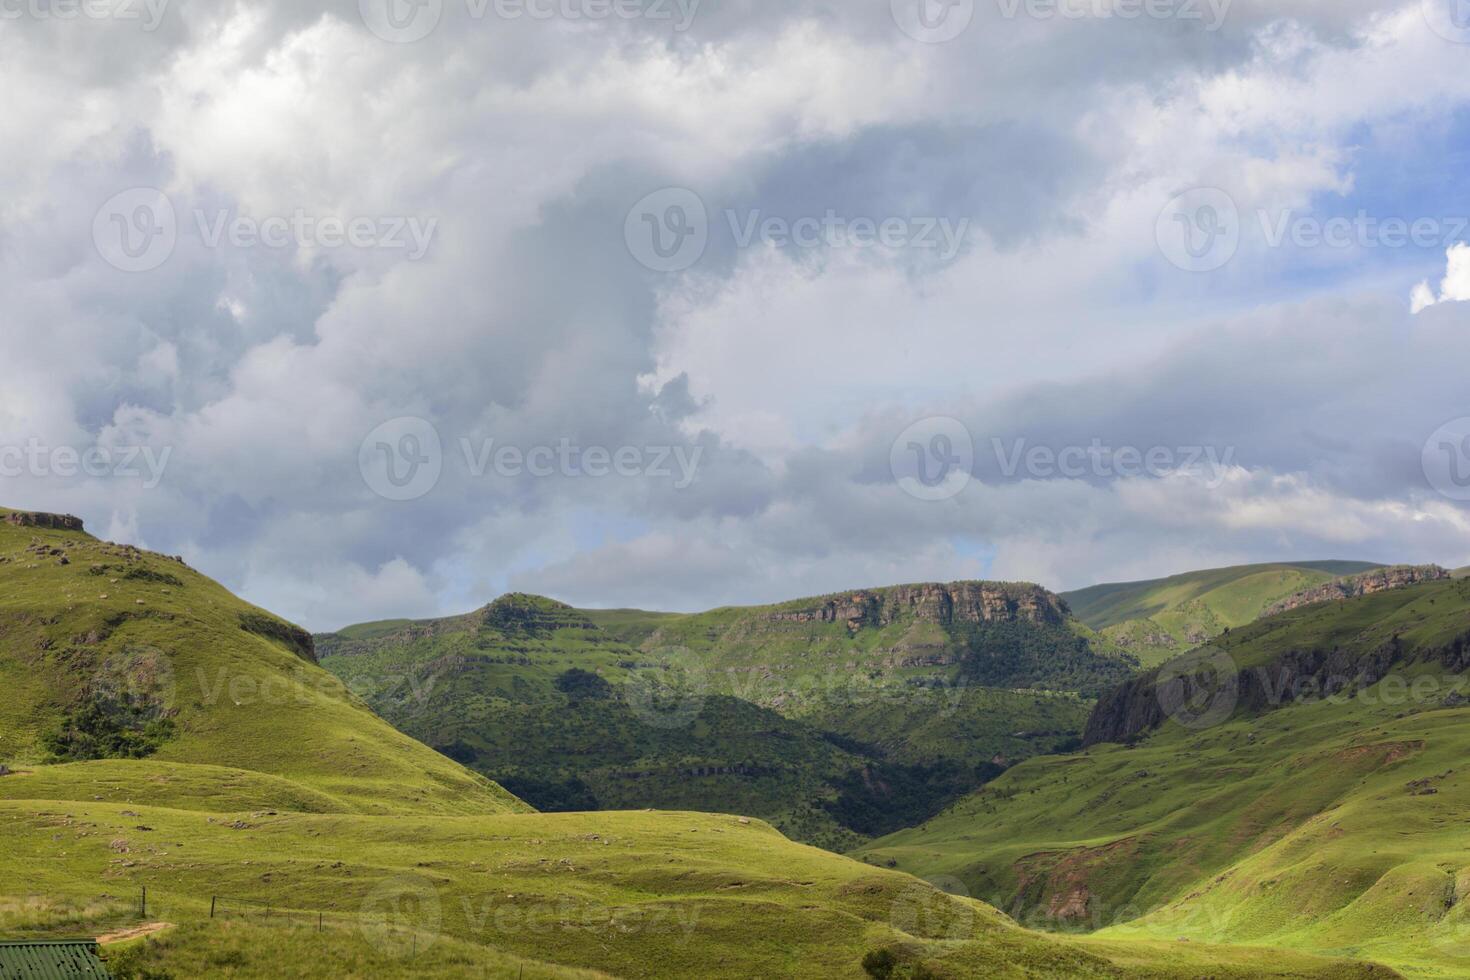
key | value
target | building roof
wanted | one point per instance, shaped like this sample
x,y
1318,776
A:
x,y
61,959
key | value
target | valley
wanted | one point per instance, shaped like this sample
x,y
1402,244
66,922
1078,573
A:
x,y
837,718
163,734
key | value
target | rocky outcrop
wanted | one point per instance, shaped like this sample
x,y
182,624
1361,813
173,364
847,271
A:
x,y
293,638
944,605
49,522
1138,706
1368,583
1126,712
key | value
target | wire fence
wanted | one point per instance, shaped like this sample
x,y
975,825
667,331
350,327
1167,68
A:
x,y
232,907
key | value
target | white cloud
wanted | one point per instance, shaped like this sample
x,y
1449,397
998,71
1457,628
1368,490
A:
x,y
1454,288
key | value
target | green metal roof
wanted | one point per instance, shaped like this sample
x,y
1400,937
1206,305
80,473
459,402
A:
x,y
53,960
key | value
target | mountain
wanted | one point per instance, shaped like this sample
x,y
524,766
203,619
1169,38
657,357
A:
x,y
175,753
837,718
1159,619
1301,784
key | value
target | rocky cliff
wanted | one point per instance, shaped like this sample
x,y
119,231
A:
x,y
292,637
1283,660
944,605
1138,706
1368,583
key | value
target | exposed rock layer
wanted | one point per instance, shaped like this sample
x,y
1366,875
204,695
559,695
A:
x,y
1368,583
960,602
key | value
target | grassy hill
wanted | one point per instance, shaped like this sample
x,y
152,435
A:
x,y
1159,619
280,829
1321,811
111,651
836,718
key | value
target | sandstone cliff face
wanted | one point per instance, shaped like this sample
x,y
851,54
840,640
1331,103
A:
x,y
49,522
961,602
1368,583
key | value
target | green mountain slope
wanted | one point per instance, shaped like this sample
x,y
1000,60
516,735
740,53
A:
x,y
836,718
1158,619
114,652
281,832
1313,798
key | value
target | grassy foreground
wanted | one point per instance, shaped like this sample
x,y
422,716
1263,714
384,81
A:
x,y
624,894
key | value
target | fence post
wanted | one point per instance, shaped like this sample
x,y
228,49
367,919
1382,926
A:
x,y
143,907
211,905
319,922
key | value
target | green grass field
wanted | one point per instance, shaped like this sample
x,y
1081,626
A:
x,y
625,894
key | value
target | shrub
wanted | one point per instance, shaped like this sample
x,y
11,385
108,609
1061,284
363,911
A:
x,y
880,963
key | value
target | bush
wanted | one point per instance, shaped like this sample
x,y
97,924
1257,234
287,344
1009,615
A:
x,y
880,963
583,685
107,730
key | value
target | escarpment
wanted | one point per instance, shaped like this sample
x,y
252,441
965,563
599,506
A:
x,y
943,605
1368,583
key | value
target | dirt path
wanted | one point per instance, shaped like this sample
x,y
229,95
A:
x,y
135,933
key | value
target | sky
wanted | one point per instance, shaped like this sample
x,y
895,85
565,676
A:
x,y
382,308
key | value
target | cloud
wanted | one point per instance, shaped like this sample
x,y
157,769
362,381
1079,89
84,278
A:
x,y
258,371
1455,287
